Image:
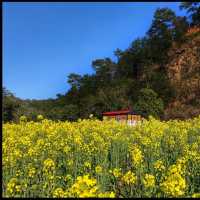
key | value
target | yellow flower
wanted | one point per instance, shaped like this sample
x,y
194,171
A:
x,y
17,153
106,195
18,188
174,184
68,178
112,195
23,118
66,149
12,186
58,193
117,172
158,165
70,163
149,180
98,169
87,165
146,141
136,155
18,173
129,178
54,153
40,117
82,187
85,186
196,195
31,172
49,165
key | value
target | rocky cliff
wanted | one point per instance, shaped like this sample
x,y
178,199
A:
x,y
184,74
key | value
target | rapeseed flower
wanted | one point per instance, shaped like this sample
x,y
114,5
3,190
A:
x,y
40,117
158,165
174,184
31,172
98,169
87,165
116,172
129,178
48,165
58,193
136,155
49,159
149,180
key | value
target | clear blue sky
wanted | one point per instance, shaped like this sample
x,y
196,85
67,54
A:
x,y
44,42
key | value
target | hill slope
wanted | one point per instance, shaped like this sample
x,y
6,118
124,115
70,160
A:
x,y
184,74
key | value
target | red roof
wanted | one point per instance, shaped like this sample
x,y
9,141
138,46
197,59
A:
x,y
119,112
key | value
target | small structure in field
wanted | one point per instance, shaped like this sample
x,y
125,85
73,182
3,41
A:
x,y
123,116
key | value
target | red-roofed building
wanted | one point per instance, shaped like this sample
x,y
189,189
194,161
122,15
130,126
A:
x,y
127,116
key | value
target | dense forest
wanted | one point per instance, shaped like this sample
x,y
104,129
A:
x,y
158,75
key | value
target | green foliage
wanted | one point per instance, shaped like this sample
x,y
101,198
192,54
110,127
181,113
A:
x,y
161,85
74,80
149,104
166,28
193,8
10,105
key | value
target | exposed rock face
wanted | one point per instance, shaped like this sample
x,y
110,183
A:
x,y
184,73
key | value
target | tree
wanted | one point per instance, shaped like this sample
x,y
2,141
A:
x,y
193,8
10,106
162,23
89,84
92,104
133,59
149,104
181,26
118,53
160,83
105,69
166,28
74,80
160,36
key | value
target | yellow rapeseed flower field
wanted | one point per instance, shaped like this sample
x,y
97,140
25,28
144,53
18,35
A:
x,y
92,158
